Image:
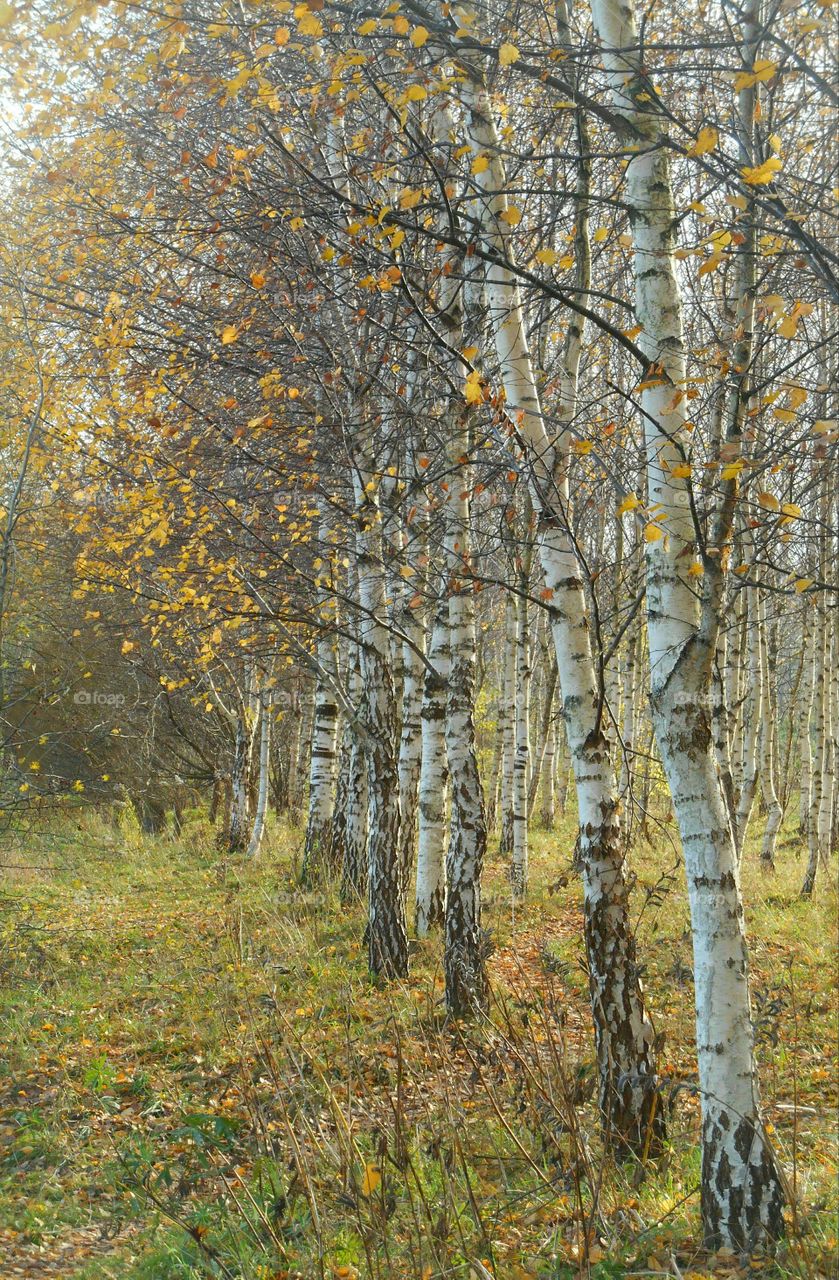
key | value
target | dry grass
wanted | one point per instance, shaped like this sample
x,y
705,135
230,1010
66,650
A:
x,y
197,1066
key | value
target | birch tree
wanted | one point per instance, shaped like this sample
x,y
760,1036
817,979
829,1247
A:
x,y
434,774
624,1036
742,1189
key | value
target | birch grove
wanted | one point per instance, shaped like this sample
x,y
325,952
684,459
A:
x,y
453,411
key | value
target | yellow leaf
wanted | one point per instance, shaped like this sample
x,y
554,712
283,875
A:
x,y
473,390
400,26
282,36
507,54
768,501
681,470
696,569
763,70
600,235
710,264
582,447
547,256
229,334
238,82
791,511
706,140
406,571
480,164
511,215
630,502
762,173
7,13
733,469
416,93
372,1179
397,238
469,353
419,35
367,28
295,224
310,25
652,533
801,584
257,279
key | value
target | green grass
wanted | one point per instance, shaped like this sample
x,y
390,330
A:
x,y
198,1077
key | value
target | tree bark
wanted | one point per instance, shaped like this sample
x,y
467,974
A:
x,y
508,725
521,755
410,745
742,1191
467,987
771,803
261,810
387,938
354,860
324,726
624,1039
431,881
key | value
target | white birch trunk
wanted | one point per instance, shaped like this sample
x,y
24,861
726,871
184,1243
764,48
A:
x,y
302,753
324,727
631,684
467,988
818,826
543,766
832,843
261,811
829,762
721,721
321,777
354,854
750,770
742,1195
410,744
237,827
624,1038
431,853
387,938
521,757
805,711
246,716
547,815
338,833
771,803
508,725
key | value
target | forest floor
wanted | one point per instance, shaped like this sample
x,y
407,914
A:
x,y
197,1078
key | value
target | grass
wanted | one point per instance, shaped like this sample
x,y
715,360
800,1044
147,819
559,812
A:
x,y
199,1079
